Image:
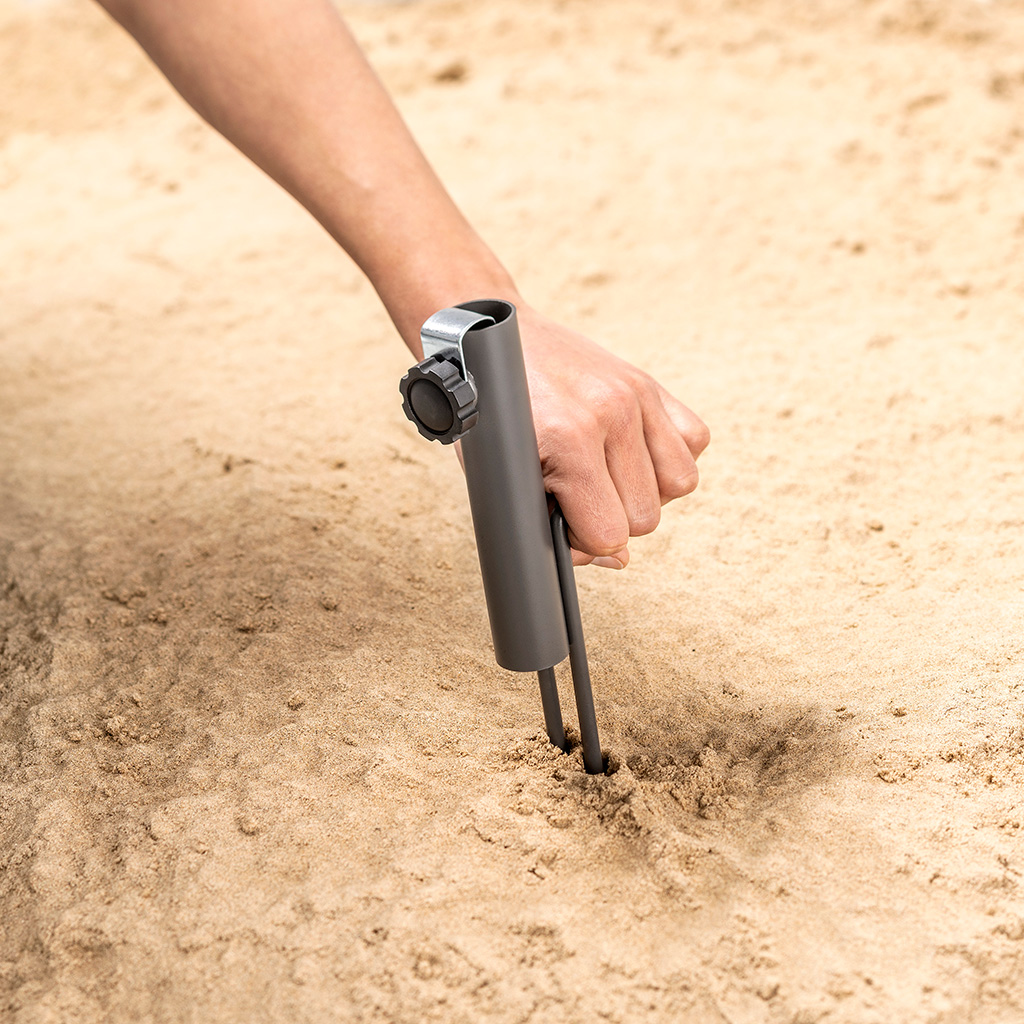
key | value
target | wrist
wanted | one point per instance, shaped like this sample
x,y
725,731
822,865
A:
x,y
415,288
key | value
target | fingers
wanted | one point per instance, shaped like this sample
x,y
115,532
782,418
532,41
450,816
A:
x,y
674,461
651,446
576,473
617,560
631,467
613,466
615,446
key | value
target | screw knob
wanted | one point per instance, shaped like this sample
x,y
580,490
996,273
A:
x,y
439,400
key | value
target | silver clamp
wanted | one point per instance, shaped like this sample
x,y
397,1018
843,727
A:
x,y
443,333
438,393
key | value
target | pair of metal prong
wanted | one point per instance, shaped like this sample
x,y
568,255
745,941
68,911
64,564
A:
x,y
593,760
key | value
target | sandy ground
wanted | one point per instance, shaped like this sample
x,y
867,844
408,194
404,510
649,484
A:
x,y
256,760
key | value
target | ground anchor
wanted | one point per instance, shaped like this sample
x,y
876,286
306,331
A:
x,y
471,387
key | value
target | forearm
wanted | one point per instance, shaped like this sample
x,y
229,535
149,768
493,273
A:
x,y
286,83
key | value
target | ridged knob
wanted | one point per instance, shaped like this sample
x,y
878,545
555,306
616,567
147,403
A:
x,y
439,400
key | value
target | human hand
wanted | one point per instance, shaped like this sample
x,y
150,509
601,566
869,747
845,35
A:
x,y
614,444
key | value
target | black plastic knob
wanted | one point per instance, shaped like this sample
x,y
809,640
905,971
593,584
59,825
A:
x,y
439,400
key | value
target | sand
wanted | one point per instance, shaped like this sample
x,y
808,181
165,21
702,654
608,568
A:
x,y
256,760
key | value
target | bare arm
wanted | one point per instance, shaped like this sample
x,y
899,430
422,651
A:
x,y
286,83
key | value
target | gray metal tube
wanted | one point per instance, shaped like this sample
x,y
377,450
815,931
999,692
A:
x,y
506,496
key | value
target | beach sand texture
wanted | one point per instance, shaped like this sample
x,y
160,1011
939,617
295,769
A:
x,y
256,760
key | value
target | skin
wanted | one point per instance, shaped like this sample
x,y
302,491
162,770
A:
x,y
286,82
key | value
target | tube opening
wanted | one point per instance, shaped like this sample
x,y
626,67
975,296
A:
x,y
497,309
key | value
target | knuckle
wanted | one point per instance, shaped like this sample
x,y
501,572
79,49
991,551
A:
x,y
681,484
605,538
559,435
697,438
618,406
611,544
688,482
644,521
646,386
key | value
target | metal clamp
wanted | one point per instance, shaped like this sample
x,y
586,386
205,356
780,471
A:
x,y
442,334
439,394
